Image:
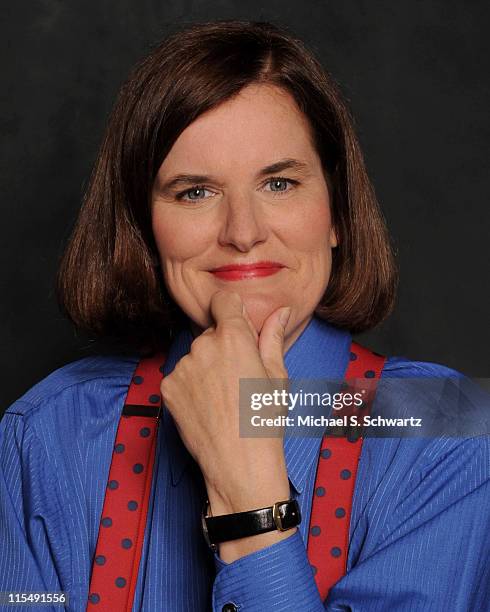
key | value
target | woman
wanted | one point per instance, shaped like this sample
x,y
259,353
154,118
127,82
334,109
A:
x,y
230,227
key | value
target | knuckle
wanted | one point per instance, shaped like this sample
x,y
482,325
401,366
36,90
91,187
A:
x,y
231,326
198,344
181,365
278,335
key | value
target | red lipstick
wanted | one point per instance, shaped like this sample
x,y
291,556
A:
x,y
244,271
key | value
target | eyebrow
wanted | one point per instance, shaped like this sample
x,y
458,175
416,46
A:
x,y
275,168
283,164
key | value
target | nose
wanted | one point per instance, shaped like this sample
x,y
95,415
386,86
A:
x,y
243,225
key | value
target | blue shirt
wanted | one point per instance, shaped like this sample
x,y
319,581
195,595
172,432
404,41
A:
x,y
419,530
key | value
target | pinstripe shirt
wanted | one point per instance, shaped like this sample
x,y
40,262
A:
x,y
419,531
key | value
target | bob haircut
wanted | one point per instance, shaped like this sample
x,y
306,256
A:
x,y
109,281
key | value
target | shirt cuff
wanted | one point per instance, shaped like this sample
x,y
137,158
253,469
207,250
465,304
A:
x,y
219,564
278,577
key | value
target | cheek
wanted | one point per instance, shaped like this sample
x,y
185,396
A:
x,y
176,241
310,230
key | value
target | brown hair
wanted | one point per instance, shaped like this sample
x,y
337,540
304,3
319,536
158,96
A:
x,y
109,282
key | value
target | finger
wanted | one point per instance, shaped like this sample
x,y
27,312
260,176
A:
x,y
251,325
226,305
271,342
209,330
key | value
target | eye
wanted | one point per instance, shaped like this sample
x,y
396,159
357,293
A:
x,y
199,192
279,184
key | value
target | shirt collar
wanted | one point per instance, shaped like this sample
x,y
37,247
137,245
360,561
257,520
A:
x,y
320,351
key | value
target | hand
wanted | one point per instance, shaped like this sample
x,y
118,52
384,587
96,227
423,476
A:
x,y
202,394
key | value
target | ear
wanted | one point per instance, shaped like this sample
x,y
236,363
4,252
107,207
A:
x,y
333,237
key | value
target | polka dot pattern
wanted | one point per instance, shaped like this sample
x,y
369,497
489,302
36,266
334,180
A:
x,y
353,435
137,468
328,539
123,517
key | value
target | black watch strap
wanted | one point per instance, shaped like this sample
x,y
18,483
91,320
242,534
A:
x,y
282,515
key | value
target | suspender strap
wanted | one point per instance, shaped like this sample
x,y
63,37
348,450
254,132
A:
x,y
124,514
328,537
122,526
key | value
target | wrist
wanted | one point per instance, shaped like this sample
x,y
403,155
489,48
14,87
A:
x,y
243,499
237,534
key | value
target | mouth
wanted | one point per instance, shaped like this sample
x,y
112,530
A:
x,y
244,271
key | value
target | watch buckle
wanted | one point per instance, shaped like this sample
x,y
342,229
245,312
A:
x,y
277,516
206,513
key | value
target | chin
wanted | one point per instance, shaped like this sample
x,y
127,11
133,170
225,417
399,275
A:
x,y
261,307
258,306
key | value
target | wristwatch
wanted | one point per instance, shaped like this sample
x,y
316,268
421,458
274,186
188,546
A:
x,y
283,515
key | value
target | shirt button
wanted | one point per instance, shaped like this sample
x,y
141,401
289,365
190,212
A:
x,y
229,607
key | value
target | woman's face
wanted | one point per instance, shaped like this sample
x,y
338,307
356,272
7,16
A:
x,y
243,184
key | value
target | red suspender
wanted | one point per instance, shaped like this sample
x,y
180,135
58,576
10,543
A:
x,y
328,537
122,526
123,521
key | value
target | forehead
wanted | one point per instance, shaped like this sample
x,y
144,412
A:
x,y
261,124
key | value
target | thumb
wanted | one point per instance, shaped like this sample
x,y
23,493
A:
x,y
271,342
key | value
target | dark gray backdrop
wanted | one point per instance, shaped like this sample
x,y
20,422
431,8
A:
x,y
416,77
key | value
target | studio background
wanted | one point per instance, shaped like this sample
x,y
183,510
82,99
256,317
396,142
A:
x,y
415,75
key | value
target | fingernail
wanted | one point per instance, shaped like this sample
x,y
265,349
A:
x,y
284,316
